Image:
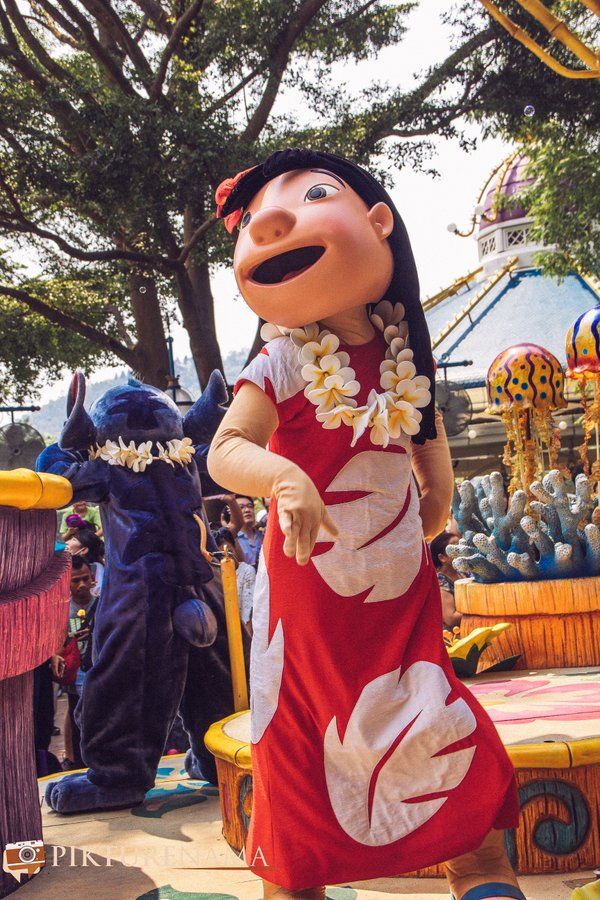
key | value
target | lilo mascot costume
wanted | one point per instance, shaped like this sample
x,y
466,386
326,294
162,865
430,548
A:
x,y
396,766
159,640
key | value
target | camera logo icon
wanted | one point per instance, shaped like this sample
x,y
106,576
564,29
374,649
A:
x,y
23,858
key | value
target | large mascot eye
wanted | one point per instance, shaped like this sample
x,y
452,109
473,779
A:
x,y
245,219
319,191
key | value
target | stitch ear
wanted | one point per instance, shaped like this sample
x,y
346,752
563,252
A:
x,y
79,432
203,419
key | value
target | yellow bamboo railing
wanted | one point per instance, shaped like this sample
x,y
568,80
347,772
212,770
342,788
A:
x,y
430,302
557,29
466,311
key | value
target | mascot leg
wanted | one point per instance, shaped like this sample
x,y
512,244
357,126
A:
x,y
208,694
486,872
130,697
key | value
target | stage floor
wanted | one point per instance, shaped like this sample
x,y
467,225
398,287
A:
x,y
171,848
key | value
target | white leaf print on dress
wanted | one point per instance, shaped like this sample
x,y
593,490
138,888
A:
x,y
403,771
266,658
360,559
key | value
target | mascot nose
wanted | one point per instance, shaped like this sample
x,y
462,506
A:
x,y
195,621
271,224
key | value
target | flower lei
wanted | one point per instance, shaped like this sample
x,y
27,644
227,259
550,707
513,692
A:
x,y
332,386
137,458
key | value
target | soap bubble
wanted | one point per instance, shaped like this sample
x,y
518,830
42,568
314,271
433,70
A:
x,y
143,289
529,110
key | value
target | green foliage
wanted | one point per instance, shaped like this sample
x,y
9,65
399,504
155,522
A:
x,y
564,199
119,121
35,351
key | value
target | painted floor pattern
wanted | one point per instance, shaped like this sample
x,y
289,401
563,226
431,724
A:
x,y
171,848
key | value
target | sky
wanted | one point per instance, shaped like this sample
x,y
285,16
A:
x,y
427,204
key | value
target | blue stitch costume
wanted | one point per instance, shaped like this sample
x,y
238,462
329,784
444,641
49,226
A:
x,y
159,639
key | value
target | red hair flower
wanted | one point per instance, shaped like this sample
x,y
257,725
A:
x,y
222,196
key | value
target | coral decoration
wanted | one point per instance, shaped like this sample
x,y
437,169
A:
x,y
524,384
559,538
222,195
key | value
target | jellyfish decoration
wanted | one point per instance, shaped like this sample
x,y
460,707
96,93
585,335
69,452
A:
x,y
525,383
583,366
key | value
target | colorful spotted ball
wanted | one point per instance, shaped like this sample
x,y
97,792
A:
x,y
583,345
525,376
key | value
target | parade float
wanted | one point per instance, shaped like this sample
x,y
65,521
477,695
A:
x,y
34,604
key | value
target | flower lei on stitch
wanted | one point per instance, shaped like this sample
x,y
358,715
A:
x,y
137,458
332,385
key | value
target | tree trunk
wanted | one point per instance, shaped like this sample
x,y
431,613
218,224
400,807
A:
x,y
257,343
151,346
197,309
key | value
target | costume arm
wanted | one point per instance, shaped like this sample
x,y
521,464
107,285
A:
x,y
238,459
432,466
89,478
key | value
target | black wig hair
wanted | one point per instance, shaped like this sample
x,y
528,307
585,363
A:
x,y
404,286
439,545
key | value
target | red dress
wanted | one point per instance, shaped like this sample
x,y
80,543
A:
x,y
369,757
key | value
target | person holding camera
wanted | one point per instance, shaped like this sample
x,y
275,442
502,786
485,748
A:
x,y
71,665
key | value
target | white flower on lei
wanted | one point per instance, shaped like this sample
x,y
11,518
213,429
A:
x,y
384,314
302,336
404,370
335,390
363,416
403,417
332,364
333,418
142,458
111,453
181,451
415,391
269,332
314,350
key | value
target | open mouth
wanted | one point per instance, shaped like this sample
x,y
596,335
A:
x,y
286,265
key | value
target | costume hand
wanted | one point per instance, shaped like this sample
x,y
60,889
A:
x,y
301,515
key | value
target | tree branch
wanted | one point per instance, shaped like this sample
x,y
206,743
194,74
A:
x,y
154,262
103,12
389,119
200,231
235,89
100,54
46,23
278,61
57,317
34,45
55,17
156,13
65,115
181,26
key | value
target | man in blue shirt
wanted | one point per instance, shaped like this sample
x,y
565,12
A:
x,y
249,537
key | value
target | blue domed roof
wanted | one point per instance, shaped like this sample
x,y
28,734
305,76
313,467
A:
x,y
524,306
